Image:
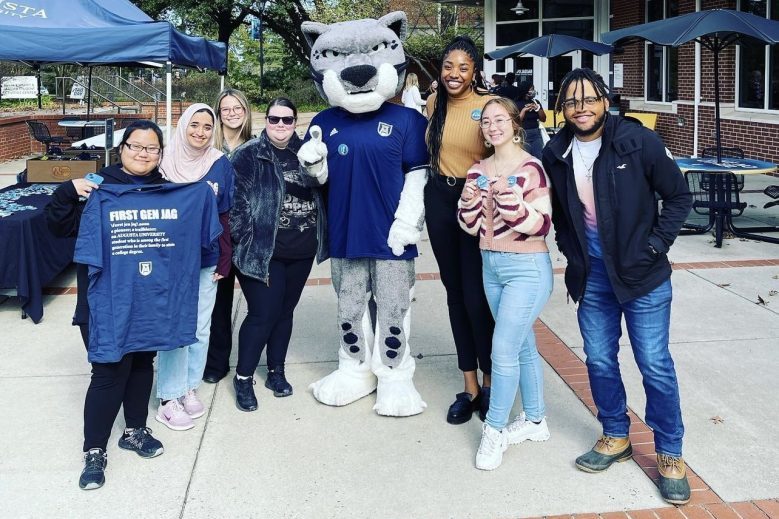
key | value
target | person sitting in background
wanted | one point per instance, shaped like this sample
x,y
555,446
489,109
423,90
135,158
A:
x,y
411,97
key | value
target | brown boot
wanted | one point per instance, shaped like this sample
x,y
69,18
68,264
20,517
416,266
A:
x,y
673,483
606,451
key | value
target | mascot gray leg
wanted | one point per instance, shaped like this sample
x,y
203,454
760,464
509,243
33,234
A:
x,y
392,363
353,379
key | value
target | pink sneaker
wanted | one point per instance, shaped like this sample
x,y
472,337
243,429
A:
x,y
192,404
173,415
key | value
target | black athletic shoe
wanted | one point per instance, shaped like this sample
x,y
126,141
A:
x,y
93,475
277,382
142,442
245,399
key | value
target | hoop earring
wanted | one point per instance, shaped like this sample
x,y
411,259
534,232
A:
x,y
516,139
487,144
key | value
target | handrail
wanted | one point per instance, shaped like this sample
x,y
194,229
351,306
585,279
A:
x,y
87,91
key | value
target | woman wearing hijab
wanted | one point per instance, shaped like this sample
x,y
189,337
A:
x,y
191,157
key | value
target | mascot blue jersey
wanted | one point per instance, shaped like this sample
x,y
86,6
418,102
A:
x,y
368,156
142,245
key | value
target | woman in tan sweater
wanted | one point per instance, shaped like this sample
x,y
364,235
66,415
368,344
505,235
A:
x,y
455,143
506,203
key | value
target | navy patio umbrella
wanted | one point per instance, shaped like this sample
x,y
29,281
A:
x,y
715,29
549,46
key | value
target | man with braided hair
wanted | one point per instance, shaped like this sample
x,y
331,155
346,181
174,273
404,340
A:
x,y
605,171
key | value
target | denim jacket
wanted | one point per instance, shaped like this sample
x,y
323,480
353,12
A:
x,y
259,192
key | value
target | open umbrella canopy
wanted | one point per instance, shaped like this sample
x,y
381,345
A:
x,y
714,29
549,46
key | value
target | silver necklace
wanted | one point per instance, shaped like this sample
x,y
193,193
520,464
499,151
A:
x,y
588,174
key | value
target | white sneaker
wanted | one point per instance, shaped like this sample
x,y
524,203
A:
x,y
522,429
493,444
192,404
174,416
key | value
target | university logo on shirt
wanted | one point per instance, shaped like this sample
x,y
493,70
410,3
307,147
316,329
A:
x,y
144,267
385,129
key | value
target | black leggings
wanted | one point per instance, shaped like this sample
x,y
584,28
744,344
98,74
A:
x,y
220,342
459,261
270,313
127,382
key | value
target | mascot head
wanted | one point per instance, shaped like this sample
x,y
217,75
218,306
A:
x,y
359,64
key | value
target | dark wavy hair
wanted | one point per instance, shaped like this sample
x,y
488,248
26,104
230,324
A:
x,y
142,124
435,129
577,77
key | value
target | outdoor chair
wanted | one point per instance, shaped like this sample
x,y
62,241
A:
x,y
40,132
773,192
647,119
700,184
733,153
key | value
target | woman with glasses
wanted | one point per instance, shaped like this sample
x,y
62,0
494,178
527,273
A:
x,y
455,143
278,228
233,128
126,383
506,203
191,157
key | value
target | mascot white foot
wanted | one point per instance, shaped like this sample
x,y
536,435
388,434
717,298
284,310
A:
x,y
373,156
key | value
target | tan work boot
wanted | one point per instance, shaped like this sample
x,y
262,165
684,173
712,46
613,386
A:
x,y
673,483
606,451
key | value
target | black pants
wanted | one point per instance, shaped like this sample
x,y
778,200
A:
x,y
127,382
270,313
459,261
220,342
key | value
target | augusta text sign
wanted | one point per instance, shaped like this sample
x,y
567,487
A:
x,y
19,87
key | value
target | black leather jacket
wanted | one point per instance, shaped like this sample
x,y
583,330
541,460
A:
x,y
633,166
259,192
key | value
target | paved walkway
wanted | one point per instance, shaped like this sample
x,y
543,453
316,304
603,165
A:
x,y
295,458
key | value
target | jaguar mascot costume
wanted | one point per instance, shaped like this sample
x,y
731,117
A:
x,y
372,155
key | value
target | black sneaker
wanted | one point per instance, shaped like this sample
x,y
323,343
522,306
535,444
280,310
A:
x,y
142,442
244,394
93,475
277,382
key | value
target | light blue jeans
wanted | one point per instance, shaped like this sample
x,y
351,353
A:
x,y
181,369
517,288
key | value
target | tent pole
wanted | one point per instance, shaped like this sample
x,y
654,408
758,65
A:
x,y
38,83
716,103
168,100
221,83
89,92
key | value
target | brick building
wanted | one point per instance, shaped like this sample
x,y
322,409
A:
x,y
654,79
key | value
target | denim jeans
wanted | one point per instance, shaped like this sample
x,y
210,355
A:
x,y
648,320
181,369
517,288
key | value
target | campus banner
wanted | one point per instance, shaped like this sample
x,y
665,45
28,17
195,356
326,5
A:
x,y
18,87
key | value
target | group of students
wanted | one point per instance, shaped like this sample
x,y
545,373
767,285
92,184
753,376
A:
x,y
488,209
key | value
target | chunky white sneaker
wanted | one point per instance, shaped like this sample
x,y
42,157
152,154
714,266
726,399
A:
x,y
192,404
522,429
493,444
173,415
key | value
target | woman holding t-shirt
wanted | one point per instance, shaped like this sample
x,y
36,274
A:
x,y
192,158
128,382
278,228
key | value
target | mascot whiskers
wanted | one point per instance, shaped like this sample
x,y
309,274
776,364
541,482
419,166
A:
x,y
372,154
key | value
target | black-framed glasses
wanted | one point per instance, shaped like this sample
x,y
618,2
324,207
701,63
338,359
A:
x,y
151,150
237,110
274,119
571,104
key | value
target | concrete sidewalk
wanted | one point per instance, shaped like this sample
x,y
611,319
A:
x,y
296,458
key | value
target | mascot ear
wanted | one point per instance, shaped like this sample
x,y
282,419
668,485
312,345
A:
x,y
313,30
395,21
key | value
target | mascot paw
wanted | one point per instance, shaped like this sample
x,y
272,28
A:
x,y
313,151
400,235
398,398
342,387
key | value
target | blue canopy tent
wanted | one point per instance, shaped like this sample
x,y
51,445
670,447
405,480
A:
x,y
101,32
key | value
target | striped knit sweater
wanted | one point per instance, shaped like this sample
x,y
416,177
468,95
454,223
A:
x,y
510,214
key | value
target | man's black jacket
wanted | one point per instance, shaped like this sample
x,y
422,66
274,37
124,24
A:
x,y
632,166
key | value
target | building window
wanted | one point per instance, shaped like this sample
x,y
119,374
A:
x,y
662,63
758,64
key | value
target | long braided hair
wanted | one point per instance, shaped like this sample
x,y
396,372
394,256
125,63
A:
x,y
577,76
435,129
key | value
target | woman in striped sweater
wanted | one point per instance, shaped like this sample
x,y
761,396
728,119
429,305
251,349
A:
x,y
506,201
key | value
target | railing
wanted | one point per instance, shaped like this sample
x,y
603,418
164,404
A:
x,y
108,95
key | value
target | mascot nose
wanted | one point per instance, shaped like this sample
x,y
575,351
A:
x,y
358,75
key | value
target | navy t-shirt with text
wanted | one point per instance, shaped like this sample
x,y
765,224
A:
x,y
143,246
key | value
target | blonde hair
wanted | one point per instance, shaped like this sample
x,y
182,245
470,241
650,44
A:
x,y
246,128
411,80
511,107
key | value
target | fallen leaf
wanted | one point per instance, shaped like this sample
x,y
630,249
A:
x,y
717,419
723,285
761,301
775,277
773,293
420,356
